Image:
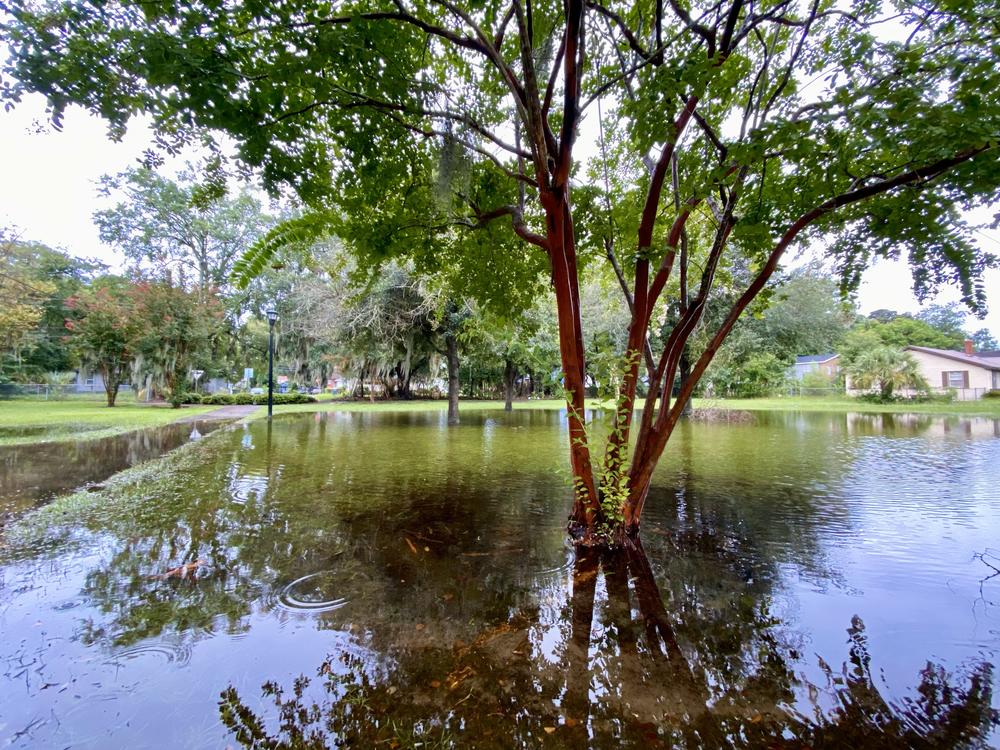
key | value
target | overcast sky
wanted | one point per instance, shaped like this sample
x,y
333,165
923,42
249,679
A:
x,y
49,192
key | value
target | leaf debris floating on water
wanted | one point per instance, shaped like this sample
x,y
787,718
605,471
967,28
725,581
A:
x,y
186,570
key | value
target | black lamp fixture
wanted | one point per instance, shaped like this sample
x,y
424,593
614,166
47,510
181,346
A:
x,y
272,316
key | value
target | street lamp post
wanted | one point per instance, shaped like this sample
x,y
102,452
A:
x,y
272,316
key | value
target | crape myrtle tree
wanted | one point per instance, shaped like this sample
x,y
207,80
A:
x,y
103,328
868,125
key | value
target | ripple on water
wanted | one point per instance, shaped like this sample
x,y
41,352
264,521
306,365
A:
x,y
248,487
568,559
316,592
176,654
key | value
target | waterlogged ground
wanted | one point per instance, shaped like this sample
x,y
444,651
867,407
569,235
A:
x,y
807,580
31,474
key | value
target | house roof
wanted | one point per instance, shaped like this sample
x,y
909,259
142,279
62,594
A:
x,y
807,358
986,362
994,353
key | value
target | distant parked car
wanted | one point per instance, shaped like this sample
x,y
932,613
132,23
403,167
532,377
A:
x,y
257,391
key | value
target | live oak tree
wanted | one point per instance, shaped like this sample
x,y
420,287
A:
x,y
868,126
175,329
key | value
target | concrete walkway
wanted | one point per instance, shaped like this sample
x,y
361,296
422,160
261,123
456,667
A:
x,y
224,412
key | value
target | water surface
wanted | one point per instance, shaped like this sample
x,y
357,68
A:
x,y
807,580
33,473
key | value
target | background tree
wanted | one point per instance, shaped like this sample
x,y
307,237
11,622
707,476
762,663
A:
x,y
876,154
175,332
805,315
935,326
904,331
948,319
174,229
104,330
523,349
984,340
188,232
35,282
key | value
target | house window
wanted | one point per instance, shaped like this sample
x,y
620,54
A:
x,y
956,379
996,380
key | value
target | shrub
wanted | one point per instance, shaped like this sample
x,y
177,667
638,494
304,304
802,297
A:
x,y
821,380
918,398
249,399
992,394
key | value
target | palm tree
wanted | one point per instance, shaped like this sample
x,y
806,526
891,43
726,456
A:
x,y
887,369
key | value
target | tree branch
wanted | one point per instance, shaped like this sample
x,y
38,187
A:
x,y
626,32
516,219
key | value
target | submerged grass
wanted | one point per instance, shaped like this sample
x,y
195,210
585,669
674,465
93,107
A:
x,y
122,502
24,421
984,407
417,406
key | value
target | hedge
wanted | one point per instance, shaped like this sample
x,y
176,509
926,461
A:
x,y
247,399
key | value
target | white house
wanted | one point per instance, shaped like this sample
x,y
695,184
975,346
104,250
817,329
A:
x,y
969,373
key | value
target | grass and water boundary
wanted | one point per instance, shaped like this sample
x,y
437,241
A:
x,y
26,420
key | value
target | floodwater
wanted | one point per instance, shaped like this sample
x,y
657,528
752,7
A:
x,y
33,473
805,580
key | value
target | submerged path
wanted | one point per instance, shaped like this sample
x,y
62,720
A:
x,y
225,412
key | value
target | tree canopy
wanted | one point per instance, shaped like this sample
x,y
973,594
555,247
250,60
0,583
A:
x,y
174,229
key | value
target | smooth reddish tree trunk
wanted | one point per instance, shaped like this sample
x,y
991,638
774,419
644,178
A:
x,y
562,254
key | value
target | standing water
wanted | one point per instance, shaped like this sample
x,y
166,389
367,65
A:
x,y
36,472
819,580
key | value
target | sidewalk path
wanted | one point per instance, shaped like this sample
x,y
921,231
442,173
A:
x,y
225,412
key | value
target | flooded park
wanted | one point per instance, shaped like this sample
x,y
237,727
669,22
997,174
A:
x,y
803,580
631,372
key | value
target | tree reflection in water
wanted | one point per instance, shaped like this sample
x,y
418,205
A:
x,y
617,669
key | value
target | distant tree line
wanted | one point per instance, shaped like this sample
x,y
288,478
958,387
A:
x,y
388,328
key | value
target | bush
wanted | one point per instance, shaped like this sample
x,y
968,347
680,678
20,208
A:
x,y
878,398
918,398
821,380
760,374
249,399
992,394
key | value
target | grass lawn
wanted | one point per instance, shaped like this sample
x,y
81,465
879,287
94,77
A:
x,y
985,407
25,421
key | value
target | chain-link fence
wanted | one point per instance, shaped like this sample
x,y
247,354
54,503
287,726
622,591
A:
x,y
818,392
57,391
